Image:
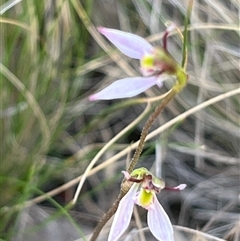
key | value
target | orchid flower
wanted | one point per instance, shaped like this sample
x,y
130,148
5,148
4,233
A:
x,y
153,63
143,193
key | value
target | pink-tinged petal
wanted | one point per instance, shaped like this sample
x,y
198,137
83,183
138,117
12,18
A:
x,y
123,215
178,188
171,27
159,223
126,175
129,44
125,88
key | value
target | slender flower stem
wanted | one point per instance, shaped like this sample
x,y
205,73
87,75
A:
x,y
147,127
107,215
133,162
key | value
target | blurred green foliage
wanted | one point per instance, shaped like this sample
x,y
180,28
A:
x,y
42,43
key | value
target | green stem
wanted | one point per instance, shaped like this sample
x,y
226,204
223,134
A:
x,y
185,34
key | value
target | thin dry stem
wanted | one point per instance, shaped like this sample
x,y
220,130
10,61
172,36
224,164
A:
x,y
139,224
32,103
198,233
202,26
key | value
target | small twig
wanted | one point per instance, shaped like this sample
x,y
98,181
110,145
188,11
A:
x,y
139,224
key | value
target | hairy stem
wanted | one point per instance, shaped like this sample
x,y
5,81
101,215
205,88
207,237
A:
x,y
107,215
147,127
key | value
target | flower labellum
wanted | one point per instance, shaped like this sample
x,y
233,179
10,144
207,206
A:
x,y
153,63
143,193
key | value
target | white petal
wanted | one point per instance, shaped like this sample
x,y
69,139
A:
x,y
125,88
129,44
159,223
126,175
123,215
178,188
181,187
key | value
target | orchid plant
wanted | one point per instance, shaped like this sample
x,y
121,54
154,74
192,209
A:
x,y
153,63
143,193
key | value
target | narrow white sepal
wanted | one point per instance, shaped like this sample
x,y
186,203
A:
x,y
180,187
125,88
159,223
123,215
129,44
